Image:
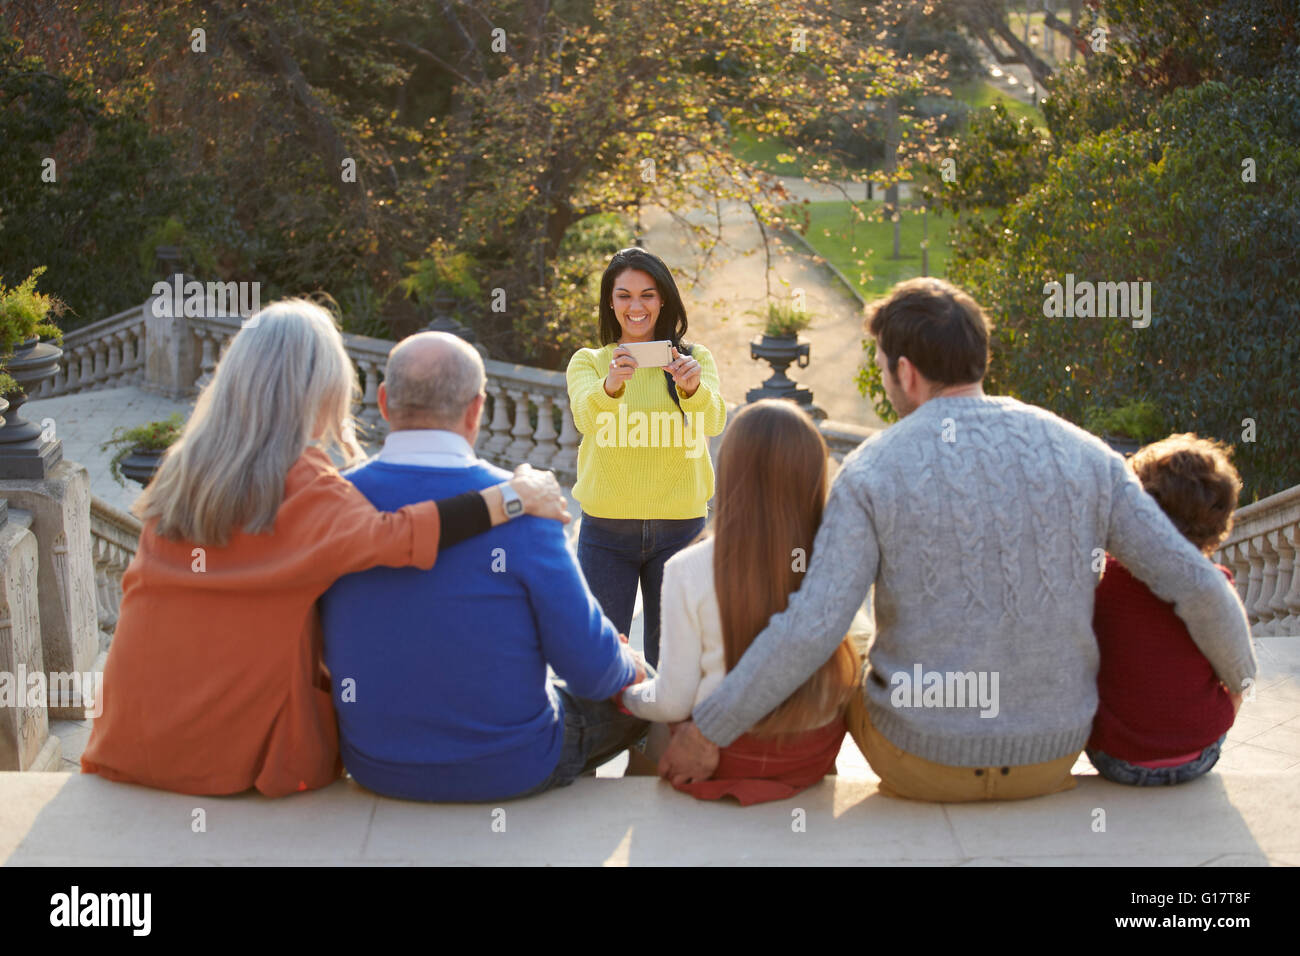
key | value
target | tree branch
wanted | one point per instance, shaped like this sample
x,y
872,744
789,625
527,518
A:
x,y
981,16
433,58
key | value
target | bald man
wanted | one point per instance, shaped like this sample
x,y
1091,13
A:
x,y
440,676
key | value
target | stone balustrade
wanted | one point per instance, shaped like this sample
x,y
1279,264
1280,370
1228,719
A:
x,y
526,417
1261,552
114,538
105,354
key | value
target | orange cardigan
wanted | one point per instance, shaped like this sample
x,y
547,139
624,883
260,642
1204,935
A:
x,y
214,681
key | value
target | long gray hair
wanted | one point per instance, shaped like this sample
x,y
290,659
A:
x,y
284,382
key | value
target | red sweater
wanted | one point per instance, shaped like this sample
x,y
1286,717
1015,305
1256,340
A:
x,y
1158,696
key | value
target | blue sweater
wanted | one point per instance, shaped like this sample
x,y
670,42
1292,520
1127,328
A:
x,y
439,676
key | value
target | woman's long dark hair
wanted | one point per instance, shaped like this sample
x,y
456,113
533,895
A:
x,y
670,325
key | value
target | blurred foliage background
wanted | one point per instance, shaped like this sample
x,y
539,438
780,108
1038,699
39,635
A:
x,y
502,149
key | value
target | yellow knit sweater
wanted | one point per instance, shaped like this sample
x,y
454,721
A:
x,y
638,458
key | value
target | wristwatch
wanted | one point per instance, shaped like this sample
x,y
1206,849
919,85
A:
x,y
511,501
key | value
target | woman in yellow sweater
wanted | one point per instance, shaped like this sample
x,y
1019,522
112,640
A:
x,y
644,472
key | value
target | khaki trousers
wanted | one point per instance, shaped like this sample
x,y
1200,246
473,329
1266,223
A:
x,y
906,775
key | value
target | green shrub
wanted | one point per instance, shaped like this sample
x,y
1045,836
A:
x,y
783,319
24,312
1139,420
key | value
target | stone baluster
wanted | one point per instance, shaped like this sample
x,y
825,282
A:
x,y
1234,557
545,448
566,459
100,348
87,366
519,449
1286,598
369,412
141,352
113,373
495,446
86,372
132,347
132,353
1255,577
208,361
69,369
121,560
105,606
1270,598
1267,582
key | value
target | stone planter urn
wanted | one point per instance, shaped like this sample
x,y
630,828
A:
x,y
141,464
780,351
24,451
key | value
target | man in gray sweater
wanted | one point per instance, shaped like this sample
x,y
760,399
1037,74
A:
x,y
983,523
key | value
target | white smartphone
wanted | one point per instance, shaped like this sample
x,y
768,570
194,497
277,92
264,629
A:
x,y
651,354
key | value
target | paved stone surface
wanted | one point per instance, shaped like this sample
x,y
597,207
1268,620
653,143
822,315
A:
x,y
84,420
1242,814
1232,818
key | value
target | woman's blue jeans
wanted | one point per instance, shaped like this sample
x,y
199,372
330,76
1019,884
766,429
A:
x,y
617,554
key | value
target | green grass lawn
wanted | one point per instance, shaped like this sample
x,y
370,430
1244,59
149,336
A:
x,y
861,250
763,154
981,94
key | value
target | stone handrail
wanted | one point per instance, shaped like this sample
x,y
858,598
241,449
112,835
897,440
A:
x,y
1261,551
843,437
114,538
104,354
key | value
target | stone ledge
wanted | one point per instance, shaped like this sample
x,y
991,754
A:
x,y
1229,818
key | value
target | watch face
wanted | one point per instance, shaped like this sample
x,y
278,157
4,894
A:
x,y
514,508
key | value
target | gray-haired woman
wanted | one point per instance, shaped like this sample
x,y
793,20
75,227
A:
x,y
214,683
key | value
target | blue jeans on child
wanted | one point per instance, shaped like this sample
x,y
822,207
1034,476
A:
x,y
618,553
1121,771
595,731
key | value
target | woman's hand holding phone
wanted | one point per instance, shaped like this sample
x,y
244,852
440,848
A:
x,y
621,368
685,372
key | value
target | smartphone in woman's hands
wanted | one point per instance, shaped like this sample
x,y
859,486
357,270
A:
x,y
651,354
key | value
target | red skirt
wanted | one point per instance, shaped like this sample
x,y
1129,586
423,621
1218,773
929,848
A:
x,y
759,769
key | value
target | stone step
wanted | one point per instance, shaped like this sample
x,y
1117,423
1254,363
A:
x,y
1225,818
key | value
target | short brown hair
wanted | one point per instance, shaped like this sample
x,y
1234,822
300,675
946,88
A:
x,y
1194,481
941,330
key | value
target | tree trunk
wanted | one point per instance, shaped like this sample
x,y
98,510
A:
x,y
893,137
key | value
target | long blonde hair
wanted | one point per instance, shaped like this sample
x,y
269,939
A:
x,y
284,376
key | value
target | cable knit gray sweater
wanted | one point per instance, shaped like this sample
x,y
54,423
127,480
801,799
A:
x,y
982,523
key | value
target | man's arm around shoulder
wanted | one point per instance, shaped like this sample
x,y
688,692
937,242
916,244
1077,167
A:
x,y
801,638
578,641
